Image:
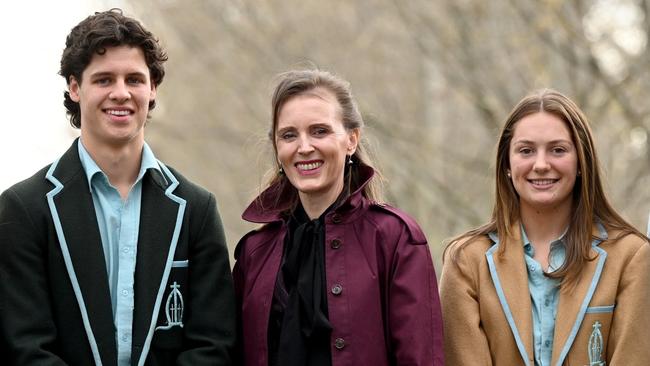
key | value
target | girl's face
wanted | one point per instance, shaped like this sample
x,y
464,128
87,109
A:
x,y
543,162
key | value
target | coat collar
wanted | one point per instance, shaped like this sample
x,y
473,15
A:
x,y
271,205
510,279
73,214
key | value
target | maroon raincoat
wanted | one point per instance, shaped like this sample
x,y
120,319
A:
x,y
383,296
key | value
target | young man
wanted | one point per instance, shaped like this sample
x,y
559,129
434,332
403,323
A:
x,y
108,256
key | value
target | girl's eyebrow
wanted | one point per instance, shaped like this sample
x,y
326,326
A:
x,y
530,142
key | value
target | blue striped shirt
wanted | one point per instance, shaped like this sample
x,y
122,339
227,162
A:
x,y
118,223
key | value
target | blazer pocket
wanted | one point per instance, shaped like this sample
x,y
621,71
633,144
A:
x,y
171,316
593,336
600,309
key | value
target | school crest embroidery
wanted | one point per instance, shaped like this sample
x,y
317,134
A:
x,y
173,308
595,347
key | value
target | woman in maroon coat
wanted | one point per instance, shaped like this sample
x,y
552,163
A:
x,y
333,277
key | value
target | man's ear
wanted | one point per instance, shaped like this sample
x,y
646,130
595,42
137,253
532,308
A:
x,y
152,95
73,88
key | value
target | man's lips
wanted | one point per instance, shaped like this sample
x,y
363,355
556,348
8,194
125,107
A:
x,y
118,112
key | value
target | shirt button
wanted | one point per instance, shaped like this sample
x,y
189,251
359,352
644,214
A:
x,y
336,219
547,344
337,289
339,343
125,250
547,302
125,292
125,337
335,244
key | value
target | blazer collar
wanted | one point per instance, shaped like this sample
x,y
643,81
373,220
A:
x,y
574,302
75,222
510,279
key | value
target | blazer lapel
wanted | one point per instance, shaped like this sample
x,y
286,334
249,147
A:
x,y
510,279
73,214
161,217
574,301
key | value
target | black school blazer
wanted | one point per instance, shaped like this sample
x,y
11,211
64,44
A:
x,y
55,305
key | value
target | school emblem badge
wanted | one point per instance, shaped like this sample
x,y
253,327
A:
x,y
595,347
173,308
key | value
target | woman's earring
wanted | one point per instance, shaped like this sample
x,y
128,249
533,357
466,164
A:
x,y
281,171
349,159
508,174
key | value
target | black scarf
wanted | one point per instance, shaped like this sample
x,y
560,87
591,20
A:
x,y
299,311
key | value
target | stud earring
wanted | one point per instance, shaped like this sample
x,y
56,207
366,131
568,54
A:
x,y
349,159
281,171
509,174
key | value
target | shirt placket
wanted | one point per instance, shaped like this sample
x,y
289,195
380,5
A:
x,y
125,279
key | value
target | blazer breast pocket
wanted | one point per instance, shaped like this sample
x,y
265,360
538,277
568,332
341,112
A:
x,y
169,327
594,334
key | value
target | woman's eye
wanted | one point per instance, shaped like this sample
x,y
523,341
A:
x,y
102,81
525,150
133,81
319,131
558,150
287,135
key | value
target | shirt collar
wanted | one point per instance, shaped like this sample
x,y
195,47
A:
x,y
91,168
560,240
557,253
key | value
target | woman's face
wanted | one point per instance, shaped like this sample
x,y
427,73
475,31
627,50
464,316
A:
x,y
312,144
543,162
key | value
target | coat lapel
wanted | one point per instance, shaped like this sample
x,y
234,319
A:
x,y
574,302
75,222
161,217
510,279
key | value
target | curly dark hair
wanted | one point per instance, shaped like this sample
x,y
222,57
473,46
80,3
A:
x,y
92,36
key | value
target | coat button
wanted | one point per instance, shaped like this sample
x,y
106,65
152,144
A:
x,y
335,244
339,343
337,289
336,218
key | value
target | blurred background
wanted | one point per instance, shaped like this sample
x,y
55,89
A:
x,y
435,80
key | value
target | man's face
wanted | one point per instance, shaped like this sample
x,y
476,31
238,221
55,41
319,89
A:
x,y
114,95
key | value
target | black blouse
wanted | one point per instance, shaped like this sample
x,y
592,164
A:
x,y
299,329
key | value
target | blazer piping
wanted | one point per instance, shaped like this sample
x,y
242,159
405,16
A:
x,y
504,303
169,192
68,261
602,256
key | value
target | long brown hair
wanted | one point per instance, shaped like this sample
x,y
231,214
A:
x,y
590,202
300,82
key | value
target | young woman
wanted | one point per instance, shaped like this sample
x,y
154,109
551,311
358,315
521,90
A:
x,y
556,277
333,277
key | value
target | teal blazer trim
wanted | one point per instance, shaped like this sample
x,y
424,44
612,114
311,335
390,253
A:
x,y
502,299
602,256
169,192
68,260
600,309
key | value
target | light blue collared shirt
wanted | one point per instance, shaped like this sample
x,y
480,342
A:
x,y
119,223
544,295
